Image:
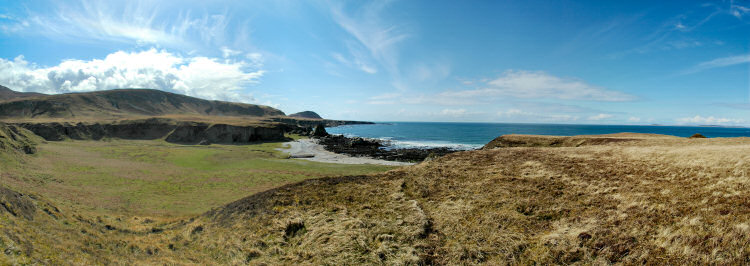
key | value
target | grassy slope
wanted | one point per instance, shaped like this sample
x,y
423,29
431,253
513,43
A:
x,y
656,200
107,202
660,200
158,178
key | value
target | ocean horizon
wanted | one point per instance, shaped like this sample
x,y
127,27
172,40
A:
x,y
473,135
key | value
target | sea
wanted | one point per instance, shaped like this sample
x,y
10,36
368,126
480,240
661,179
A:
x,y
467,136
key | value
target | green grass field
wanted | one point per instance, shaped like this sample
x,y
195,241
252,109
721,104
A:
x,y
155,178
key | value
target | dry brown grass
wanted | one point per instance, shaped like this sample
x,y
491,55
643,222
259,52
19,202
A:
x,y
653,200
665,200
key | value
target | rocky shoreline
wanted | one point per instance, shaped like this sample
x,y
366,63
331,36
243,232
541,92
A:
x,y
378,149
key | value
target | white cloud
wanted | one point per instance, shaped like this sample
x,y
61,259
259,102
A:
x,y
140,22
680,26
371,32
634,119
256,60
430,72
454,112
340,58
710,120
720,62
600,117
519,84
386,98
358,61
226,52
524,116
537,84
738,10
203,77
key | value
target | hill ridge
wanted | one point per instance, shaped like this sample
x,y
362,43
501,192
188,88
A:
x,y
306,114
120,103
8,94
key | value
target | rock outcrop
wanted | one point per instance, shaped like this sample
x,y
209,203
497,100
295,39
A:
x,y
320,131
377,149
198,133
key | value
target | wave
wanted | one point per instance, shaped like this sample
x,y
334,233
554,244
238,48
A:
x,y
415,144
433,144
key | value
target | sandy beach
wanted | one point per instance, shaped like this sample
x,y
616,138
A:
x,y
307,149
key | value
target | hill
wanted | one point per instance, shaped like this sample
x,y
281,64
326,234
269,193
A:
x,y
123,103
306,114
8,94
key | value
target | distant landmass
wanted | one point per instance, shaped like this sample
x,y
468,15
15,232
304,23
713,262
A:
x,y
150,114
121,103
306,114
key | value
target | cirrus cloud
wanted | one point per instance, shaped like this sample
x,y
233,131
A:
x,y
538,85
204,77
517,115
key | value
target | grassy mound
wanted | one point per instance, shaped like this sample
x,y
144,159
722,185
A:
x,y
14,139
514,140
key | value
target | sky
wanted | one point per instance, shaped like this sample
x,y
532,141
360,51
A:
x,y
574,62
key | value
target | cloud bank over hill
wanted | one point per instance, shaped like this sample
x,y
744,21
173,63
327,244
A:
x,y
199,76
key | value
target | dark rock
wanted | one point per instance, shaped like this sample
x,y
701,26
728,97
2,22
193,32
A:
x,y
293,228
197,229
320,131
302,131
16,204
377,149
697,136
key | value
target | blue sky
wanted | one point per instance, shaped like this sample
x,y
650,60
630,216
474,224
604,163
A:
x,y
600,62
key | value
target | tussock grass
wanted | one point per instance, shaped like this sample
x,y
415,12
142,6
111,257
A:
x,y
652,200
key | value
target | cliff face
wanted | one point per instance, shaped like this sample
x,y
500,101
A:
x,y
222,133
171,131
